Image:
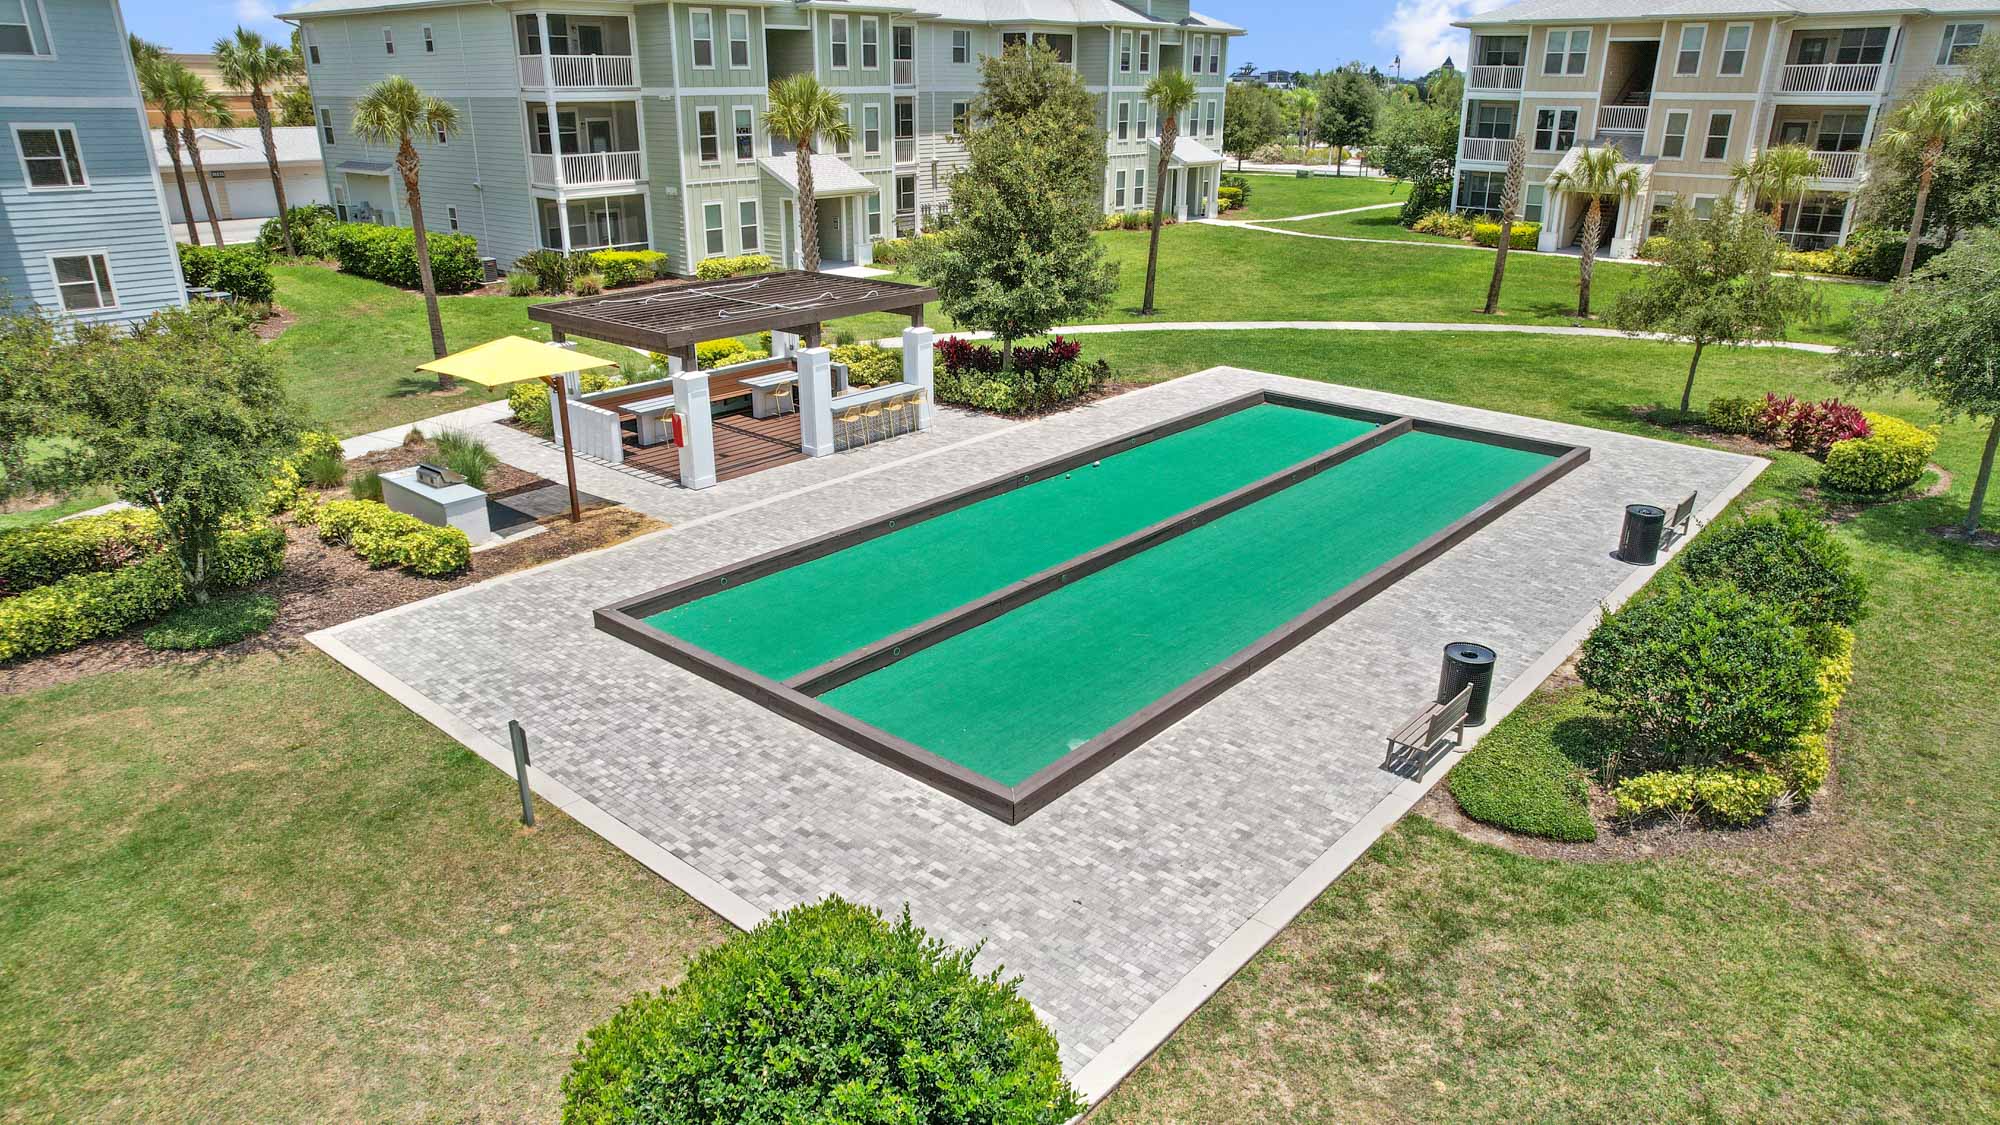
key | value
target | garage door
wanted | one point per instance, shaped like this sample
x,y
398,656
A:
x,y
194,196
304,188
251,196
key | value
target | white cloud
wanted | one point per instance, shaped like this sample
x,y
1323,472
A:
x,y
254,11
1421,32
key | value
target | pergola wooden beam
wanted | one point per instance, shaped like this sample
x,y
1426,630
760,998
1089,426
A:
x,y
673,320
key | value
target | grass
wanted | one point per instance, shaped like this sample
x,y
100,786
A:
x,y
70,505
1274,197
1368,224
223,621
1517,779
258,889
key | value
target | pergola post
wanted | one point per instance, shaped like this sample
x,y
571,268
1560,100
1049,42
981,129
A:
x,y
815,401
918,357
697,449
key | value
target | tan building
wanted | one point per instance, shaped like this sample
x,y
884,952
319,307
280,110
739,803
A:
x,y
237,100
1687,95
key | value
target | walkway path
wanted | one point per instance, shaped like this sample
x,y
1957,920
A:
x,y
1252,223
1368,326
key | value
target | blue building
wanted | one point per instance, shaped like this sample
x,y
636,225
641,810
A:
x,y
83,222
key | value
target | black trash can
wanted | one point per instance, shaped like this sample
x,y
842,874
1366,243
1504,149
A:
x,y
1467,663
1645,526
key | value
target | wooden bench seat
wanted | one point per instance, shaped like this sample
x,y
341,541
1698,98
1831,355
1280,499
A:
x,y
1417,744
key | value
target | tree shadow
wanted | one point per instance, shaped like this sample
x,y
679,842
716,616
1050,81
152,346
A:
x,y
1591,742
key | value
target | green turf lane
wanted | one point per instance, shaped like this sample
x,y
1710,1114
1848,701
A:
x,y
1014,694
802,617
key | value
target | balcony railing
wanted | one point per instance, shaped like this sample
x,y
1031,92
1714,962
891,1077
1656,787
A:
x,y
1838,165
574,72
906,150
1621,119
574,245
903,72
1483,148
579,168
1829,78
1497,77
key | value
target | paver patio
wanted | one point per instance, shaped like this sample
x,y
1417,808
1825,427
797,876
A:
x,y
1125,902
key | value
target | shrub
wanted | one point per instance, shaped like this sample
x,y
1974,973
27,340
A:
x,y
530,403
587,285
1875,252
1734,415
46,553
869,364
1730,796
324,469
1523,236
223,621
1786,559
719,353
1891,458
1228,198
1809,261
367,486
242,271
897,251
84,607
388,538
467,456
1517,779
521,284
549,268
1804,764
1445,223
312,227
389,254
1655,248
1240,182
628,267
1112,220
1042,377
740,266
1142,220
826,1012
1702,674
1810,428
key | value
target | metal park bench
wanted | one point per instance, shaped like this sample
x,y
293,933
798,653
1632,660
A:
x,y
1421,741
1680,523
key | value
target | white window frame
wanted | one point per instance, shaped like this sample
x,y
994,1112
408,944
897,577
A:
x,y
1742,53
1145,119
1215,54
729,18
1555,129
430,41
837,48
1571,37
1118,191
99,280
959,110
739,150
1145,52
1124,52
1139,188
697,41
871,43
873,208
1696,205
1195,53
1682,50
312,45
1211,119
871,134
961,45
1708,135
41,50
326,125
1535,199
712,133
388,40
715,239
845,145
1667,134
76,146
750,231
440,135
451,218
1950,42
1124,120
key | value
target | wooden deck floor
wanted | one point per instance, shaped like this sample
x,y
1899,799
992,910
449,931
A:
x,y
743,445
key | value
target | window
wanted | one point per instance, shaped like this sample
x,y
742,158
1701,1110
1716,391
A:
x,y
442,136
958,112
1704,207
1145,120
1208,126
906,119
710,144
1215,54
1480,191
430,41
1815,223
746,227
961,46
871,43
83,281
844,145
871,129
18,31
388,41
1124,52
1959,39
312,47
838,38
1862,45
906,194
1502,50
1688,61
711,221
875,215
1531,205
701,33
1735,49
1555,130
1673,141
1118,192
1145,51
1124,121
739,38
746,134
1661,215
1139,188
1492,120
1717,146
326,125
1841,132
49,154
1194,54
451,217
1567,52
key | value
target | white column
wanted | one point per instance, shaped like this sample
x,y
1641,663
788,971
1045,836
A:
x,y
918,356
571,389
815,401
555,129
784,345
697,451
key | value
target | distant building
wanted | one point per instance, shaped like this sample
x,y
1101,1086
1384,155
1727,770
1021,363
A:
x,y
83,223
1279,79
238,176
203,64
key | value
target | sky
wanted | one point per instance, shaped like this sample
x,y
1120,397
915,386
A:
x,y
1283,34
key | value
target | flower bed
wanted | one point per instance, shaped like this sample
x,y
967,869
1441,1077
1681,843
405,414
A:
x,y
1041,377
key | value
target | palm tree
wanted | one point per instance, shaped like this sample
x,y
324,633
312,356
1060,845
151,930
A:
x,y
149,60
800,110
389,113
1510,202
198,106
248,62
1171,94
1778,174
1598,172
1306,103
1924,125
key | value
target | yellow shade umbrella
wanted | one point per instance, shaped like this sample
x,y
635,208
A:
x,y
516,359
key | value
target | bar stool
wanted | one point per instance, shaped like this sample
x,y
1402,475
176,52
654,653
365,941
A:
x,y
868,416
843,427
914,402
781,398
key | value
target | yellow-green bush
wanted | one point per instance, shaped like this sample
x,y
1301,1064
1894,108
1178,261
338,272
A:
x,y
1724,795
1809,261
288,483
1443,223
1733,415
37,556
1523,236
388,538
712,269
1654,248
627,267
1890,459
869,364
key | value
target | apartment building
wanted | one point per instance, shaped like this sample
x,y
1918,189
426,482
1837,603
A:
x,y
1686,94
642,124
83,223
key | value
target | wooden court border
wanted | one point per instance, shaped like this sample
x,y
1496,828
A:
x,y
795,698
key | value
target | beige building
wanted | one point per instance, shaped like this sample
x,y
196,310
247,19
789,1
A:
x,y
1686,91
238,101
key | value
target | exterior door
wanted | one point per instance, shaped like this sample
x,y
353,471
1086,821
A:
x,y
1792,133
597,135
589,39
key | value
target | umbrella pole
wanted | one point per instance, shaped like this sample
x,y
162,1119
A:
x,y
569,447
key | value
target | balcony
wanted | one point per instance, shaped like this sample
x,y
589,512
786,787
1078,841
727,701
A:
x,y
578,72
1838,166
1622,119
1829,78
903,72
906,150
586,169
1483,148
1496,77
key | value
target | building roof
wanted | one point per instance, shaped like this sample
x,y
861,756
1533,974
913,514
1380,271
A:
x,y
1088,13
1597,11
680,316
831,175
244,148
1188,152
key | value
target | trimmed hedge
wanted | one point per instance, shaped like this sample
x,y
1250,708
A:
x,y
742,265
387,538
869,365
1787,560
969,373
1523,236
223,621
1734,415
241,271
84,607
312,231
896,251
824,1013
31,557
628,267
1891,458
1724,795
1445,223
389,254
1517,779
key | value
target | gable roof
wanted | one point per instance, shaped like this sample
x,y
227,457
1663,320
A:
x,y
244,148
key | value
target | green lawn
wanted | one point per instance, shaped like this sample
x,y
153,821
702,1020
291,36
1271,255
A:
x,y
1366,224
67,506
1273,197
